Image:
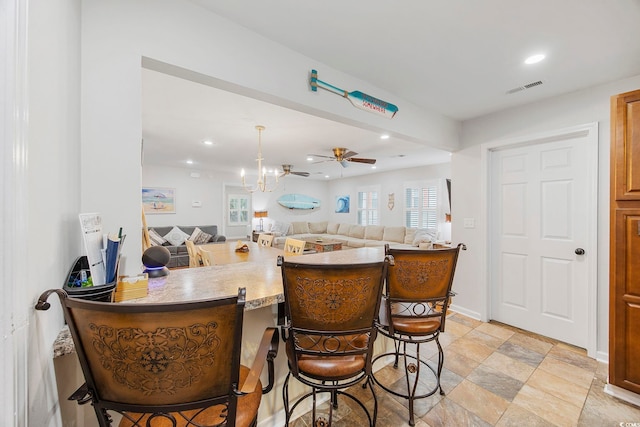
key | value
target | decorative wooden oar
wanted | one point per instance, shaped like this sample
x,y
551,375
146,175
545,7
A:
x,y
357,98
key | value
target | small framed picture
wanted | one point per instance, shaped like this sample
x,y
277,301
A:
x,y
342,204
158,200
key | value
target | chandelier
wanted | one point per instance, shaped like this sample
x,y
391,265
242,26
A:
x,y
262,172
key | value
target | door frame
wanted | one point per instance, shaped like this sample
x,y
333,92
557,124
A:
x,y
590,132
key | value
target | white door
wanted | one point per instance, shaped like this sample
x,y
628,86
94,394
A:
x,y
540,223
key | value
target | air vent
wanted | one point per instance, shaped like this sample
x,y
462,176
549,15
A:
x,y
530,85
521,88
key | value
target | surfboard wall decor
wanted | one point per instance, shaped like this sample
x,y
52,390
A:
x,y
298,201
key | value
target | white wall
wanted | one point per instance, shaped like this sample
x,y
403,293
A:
x,y
54,175
117,34
389,182
207,188
586,106
294,185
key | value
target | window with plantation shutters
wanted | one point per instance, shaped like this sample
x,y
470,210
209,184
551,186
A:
x,y
368,207
421,206
238,209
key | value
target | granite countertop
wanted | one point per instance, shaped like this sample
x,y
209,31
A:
x,y
262,280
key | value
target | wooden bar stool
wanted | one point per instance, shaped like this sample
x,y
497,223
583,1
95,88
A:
x,y
413,312
173,364
329,329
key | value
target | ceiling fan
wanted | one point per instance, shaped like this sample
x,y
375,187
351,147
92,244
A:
x,y
286,170
344,155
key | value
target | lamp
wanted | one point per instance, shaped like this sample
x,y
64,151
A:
x,y
262,172
261,215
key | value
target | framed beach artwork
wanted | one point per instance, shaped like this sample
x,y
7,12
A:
x,y
158,200
342,204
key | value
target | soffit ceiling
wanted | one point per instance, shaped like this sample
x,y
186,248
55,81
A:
x,y
457,57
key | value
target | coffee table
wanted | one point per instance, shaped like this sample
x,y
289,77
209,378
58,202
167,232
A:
x,y
322,245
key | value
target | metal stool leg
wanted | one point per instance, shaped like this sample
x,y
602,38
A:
x,y
412,368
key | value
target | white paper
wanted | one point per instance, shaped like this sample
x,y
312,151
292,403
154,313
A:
x,y
91,227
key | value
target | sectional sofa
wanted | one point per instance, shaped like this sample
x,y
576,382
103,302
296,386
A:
x,y
355,236
173,239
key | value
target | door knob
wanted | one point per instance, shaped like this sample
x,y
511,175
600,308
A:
x,y
579,251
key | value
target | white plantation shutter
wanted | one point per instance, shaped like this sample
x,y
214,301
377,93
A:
x,y
368,208
421,206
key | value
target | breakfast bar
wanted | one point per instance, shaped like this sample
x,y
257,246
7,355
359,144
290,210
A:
x,y
258,272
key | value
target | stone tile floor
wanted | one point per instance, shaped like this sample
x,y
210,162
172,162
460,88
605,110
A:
x,y
496,375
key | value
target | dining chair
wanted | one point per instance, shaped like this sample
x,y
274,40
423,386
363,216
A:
x,y
265,240
328,326
413,312
294,246
194,254
169,364
206,256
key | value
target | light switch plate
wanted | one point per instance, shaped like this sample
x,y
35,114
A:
x,y
469,223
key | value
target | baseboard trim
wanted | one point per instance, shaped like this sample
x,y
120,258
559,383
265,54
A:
x,y
469,313
622,394
602,356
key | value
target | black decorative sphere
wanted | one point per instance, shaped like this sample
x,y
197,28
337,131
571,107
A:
x,y
155,259
156,256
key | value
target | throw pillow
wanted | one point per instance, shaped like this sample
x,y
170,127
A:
x,y
176,236
426,235
409,236
155,238
280,228
199,237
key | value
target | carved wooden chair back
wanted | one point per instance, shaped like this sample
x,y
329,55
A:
x,y
172,359
294,246
265,240
419,283
413,313
329,325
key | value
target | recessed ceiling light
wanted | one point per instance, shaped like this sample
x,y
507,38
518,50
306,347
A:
x,y
309,159
326,176
373,167
207,142
189,162
533,59
385,136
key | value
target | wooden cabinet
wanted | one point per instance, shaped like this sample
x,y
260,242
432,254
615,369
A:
x,y
625,146
624,274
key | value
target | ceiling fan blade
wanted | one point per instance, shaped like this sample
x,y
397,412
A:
x,y
344,163
320,155
282,174
359,160
305,174
348,154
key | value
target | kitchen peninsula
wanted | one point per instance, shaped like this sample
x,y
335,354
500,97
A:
x,y
260,275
